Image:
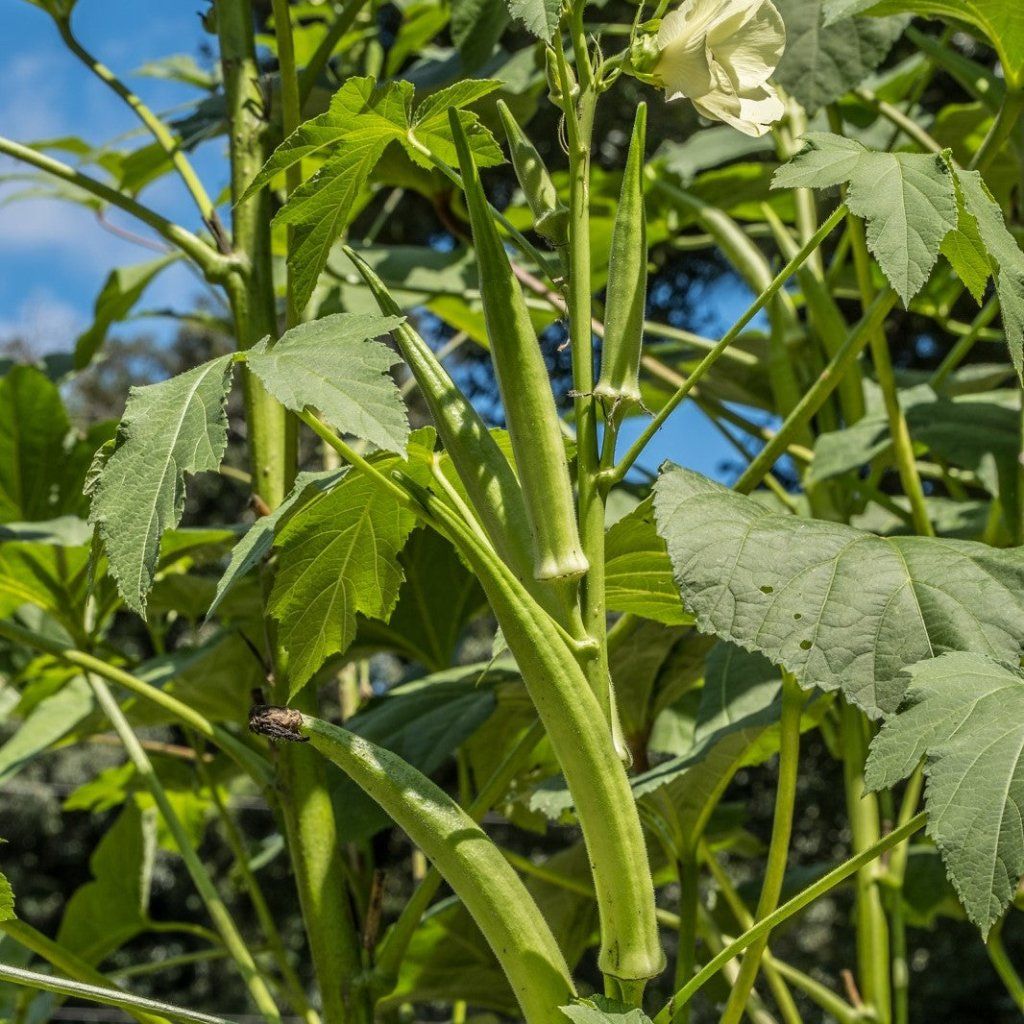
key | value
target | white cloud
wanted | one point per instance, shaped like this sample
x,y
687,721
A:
x,y
43,323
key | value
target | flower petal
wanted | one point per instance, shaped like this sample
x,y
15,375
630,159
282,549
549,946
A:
x,y
751,53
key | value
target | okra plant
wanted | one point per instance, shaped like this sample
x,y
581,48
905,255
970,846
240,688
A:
x,y
601,649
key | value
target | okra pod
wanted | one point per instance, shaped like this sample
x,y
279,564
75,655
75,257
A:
x,y
460,850
627,281
490,481
550,214
525,390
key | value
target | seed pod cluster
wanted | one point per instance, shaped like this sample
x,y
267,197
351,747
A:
x,y
619,382
525,389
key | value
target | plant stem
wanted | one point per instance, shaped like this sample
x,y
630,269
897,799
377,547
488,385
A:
x,y
862,809
960,350
826,383
778,849
344,20
728,338
999,132
689,899
105,996
214,266
236,843
215,907
66,961
903,447
1004,968
165,139
905,124
837,875
249,760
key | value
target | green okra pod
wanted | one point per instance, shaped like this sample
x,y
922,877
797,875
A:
x,y
525,390
490,482
627,281
460,850
550,214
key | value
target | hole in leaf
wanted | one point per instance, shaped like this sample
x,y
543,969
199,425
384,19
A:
x,y
797,615
805,645
767,590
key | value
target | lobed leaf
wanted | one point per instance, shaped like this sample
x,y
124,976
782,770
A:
x,y
839,608
169,429
965,713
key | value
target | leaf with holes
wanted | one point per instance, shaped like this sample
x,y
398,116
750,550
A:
x,y
964,713
837,607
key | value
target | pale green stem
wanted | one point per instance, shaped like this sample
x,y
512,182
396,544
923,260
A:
x,y
164,137
835,1006
862,808
105,996
249,760
689,901
778,849
905,124
344,20
745,919
215,907
1004,967
961,349
764,927
237,845
214,266
819,391
999,132
66,961
728,338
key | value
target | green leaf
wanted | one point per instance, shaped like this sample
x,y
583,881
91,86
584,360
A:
x,y
906,199
363,119
476,27
838,608
539,16
121,290
259,538
1004,251
965,713
334,365
600,1010
6,900
822,63
169,429
111,910
1001,22
338,557
48,722
965,249
33,428
638,574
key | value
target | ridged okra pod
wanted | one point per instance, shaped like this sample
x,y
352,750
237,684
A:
x,y
461,851
490,481
525,390
550,214
627,281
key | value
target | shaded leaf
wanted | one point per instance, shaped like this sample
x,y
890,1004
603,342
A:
x,y
965,714
838,608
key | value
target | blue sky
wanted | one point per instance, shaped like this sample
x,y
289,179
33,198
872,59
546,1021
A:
x,y
54,256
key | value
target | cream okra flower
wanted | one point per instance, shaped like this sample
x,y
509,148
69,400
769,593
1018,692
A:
x,y
719,55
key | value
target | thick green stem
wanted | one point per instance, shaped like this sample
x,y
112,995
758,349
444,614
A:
x,y
826,383
778,849
1006,117
669,1012
215,907
865,826
1011,980
343,21
727,339
105,996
